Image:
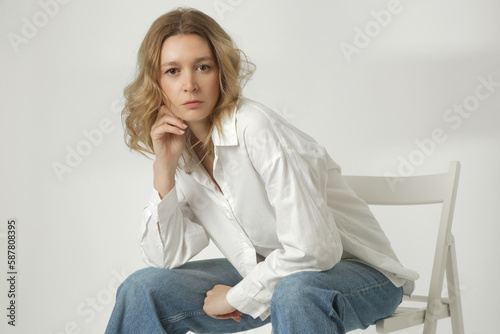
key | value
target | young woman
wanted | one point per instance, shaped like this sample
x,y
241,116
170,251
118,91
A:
x,y
302,251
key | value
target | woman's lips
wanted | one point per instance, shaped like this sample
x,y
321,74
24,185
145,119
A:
x,y
192,104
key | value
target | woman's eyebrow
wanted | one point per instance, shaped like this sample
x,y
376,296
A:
x,y
197,60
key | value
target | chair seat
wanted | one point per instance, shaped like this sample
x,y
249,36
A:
x,y
405,317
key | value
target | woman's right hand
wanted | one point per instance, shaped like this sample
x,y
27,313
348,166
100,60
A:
x,y
169,138
168,135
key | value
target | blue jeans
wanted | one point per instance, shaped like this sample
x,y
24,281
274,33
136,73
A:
x,y
349,296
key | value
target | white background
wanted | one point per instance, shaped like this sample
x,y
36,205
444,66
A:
x,y
77,232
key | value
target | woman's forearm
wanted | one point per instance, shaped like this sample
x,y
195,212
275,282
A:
x,y
163,178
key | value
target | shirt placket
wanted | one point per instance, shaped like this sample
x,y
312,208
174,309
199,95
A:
x,y
223,201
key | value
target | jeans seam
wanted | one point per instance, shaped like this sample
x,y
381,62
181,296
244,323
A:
x,y
366,288
182,316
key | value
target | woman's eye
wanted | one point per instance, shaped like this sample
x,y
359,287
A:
x,y
171,71
204,68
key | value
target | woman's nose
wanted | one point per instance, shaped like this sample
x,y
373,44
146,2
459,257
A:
x,y
190,82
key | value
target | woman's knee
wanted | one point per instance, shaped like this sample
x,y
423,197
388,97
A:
x,y
293,290
143,280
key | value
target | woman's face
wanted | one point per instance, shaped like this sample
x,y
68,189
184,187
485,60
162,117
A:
x,y
189,76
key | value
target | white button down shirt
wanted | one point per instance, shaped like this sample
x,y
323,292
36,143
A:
x,y
283,199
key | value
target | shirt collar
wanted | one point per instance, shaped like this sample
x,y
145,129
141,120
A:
x,y
228,137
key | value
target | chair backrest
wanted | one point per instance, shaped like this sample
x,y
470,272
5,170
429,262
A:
x,y
425,189
422,189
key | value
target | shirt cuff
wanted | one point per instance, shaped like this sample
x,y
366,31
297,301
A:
x,y
163,207
166,206
244,297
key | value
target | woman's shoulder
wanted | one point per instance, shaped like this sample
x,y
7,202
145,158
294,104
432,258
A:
x,y
249,107
253,115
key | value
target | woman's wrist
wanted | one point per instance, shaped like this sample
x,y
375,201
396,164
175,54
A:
x,y
164,178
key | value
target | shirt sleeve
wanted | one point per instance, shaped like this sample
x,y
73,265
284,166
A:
x,y
169,234
294,171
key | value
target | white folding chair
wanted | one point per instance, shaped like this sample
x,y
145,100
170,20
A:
x,y
427,189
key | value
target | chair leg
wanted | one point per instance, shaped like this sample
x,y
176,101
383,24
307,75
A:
x,y
457,322
430,325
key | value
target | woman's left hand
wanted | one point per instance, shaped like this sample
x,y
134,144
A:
x,y
217,306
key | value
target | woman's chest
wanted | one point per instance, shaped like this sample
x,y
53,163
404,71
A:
x,y
241,203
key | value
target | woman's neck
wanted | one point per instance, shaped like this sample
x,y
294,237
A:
x,y
199,129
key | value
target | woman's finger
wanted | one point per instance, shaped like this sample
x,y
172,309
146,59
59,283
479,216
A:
x,y
165,128
233,315
172,120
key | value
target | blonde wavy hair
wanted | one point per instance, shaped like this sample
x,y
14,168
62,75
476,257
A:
x,y
144,96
